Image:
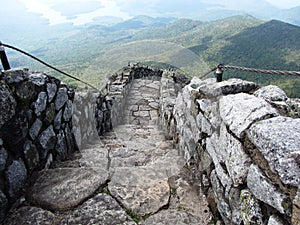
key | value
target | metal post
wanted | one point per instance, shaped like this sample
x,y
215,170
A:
x,y
3,57
219,73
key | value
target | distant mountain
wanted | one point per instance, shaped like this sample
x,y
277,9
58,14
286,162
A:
x,y
93,51
139,22
290,15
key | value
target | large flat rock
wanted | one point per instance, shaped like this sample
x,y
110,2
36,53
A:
x,y
241,110
101,209
142,190
64,188
278,141
171,217
30,215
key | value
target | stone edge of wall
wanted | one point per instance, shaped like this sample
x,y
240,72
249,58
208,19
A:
x,y
224,128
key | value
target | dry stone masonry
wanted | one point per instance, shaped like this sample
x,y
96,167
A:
x,y
152,148
245,143
35,128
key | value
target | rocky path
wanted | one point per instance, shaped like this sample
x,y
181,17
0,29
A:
x,y
130,176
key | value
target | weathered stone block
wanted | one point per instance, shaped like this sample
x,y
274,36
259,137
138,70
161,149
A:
x,y
101,209
213,89
16,176
31,155
35,129
57,120
266,192
61,189
41,103
241,110
271,93
7,104
204,125
250,210
213,148
236,160
69,111
38,79
61,98
50,114
30,215
47,140
278,141
51,91
61,146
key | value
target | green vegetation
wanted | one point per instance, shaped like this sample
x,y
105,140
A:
x,y
93,52
136,218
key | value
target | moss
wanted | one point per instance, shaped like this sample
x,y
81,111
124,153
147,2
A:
x,y
173,191
136,218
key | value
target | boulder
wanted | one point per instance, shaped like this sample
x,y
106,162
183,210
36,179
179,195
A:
x,y
271,93
278,140
265,191
241,110
211,89
61,189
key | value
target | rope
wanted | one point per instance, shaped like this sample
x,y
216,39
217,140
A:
x,y
48,65
208,72
276,72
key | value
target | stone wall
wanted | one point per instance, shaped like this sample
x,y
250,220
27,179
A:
x,y
94,113
35,128
245,144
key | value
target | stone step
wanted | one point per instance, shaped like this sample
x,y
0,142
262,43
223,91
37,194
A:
x,y
132,175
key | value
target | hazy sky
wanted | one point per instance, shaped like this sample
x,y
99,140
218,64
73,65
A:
x,y
83,11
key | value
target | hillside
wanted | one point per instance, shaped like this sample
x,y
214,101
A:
x,y
94,51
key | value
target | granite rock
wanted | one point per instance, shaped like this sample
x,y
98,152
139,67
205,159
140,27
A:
x,y
61,189
140,189
61,98
265,191
30,215
271,93
7,104
278,140
101,209
16,176
41,103
241,110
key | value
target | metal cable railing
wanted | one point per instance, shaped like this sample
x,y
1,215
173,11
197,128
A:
x,y
220,68
6,64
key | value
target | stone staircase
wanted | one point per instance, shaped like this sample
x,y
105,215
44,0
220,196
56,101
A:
x,y
132,175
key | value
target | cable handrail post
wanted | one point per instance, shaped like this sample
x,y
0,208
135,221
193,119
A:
x,y
219,72
3,57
